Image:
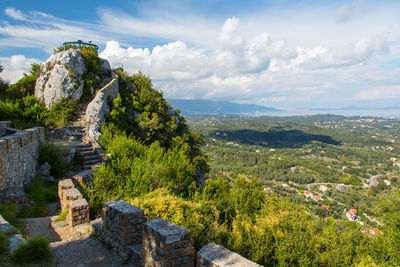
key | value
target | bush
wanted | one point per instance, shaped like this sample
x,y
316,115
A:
x,y
51,153
62,113
24,113
41,193
3,243
35,250
25,86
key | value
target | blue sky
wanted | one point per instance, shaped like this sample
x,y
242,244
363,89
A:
x,y
284,54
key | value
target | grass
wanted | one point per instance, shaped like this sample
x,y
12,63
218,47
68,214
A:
x,y
51,153
35,250
62,216
3,243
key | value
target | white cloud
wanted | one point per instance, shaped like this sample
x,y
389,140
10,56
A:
x,y
263,57
380,92
14,13
40,30
244,68
15,66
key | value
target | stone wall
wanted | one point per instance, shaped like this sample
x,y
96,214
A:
x,y
212,255
72,201
157,242
167,244
19,155
98,109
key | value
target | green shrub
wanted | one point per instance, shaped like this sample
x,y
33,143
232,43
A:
x,y
25,86
9,213
51,153
24,113
35,250
41,193
62,113
3,243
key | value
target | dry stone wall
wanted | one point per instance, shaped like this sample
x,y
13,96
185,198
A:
x,y
167,244
98,109
19,155
213,255
72,201
157,242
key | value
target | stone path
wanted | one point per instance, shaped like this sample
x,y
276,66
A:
x,y
71,246
84,251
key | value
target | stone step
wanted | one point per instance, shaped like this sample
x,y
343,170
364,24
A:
x,y
89,158
87,153
90,166
84,149
92,162
74,128
83,145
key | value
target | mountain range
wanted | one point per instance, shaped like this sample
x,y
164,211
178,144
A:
x,y
206,107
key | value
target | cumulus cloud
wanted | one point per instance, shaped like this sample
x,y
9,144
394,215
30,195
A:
x,y
380,92
15,66
262,59
242,68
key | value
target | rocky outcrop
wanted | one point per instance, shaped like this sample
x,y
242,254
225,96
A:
x,y
61,77
98,110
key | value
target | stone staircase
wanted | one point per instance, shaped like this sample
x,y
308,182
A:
x,y
85,149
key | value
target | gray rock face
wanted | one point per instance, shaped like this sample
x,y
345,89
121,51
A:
x,y
61,77
44,169
98,109
15,241
105,68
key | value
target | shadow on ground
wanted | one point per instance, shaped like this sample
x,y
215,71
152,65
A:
x,y
273,138
84,251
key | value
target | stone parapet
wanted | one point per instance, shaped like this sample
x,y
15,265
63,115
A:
x,y
19,153
62,186
212,255
78,212
122,227
72,201
84,177
98,109
167,244
157,242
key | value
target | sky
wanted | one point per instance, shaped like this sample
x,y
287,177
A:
x,y
285,54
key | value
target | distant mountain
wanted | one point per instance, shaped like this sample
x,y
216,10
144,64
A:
x,y
205,107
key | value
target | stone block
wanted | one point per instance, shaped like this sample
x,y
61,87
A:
x,y
70,195
166,244
212,255
3,147
83,177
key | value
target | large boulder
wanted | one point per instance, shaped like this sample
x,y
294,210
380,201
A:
x,y
61,77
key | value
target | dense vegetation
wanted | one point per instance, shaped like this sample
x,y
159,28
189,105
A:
x,y
150,169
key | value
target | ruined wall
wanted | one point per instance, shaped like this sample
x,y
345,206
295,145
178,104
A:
x,y
19,155
157,242
98,109
72,201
